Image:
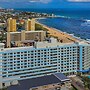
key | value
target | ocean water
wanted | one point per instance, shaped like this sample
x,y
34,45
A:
x,y
71,21
79,28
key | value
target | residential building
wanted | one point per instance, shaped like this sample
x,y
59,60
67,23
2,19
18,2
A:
x,y
30,25
11,25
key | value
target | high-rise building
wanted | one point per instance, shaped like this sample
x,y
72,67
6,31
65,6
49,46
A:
x,y
11,25
30,25
43,58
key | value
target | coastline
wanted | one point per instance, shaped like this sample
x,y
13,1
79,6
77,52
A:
x,y
60,35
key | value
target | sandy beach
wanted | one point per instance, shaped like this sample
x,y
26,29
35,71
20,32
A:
x,y
61,36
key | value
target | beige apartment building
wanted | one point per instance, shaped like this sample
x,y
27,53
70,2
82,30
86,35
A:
x,y
24,36
30,25
11,25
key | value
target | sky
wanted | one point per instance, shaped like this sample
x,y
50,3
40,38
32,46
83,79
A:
x,y
67,4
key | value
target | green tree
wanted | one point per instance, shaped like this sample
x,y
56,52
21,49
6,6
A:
x,y
86,81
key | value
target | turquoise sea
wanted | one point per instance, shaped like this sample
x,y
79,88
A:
x,y
75,22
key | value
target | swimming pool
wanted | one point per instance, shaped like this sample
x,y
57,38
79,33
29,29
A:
x,y
89,77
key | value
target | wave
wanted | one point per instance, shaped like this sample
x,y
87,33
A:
x,y
86,23
87,20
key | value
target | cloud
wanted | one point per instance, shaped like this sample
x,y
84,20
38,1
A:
x,y
79,0
45,1
31,1
42,1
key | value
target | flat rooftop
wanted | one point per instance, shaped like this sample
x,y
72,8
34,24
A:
x,y
40,81
25,31
39,45
46,44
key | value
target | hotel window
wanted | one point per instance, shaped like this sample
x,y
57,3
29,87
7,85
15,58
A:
x,y
18,52
25,51
25,54
38,50
32,65
11,53
61,70
25,66
18,55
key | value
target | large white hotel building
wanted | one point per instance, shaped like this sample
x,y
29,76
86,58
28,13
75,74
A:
x,y
42,59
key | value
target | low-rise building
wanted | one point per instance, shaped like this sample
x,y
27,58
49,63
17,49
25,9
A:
x,y
48,82
17,38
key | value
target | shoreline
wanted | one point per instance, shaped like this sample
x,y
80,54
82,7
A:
x,y
66,37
